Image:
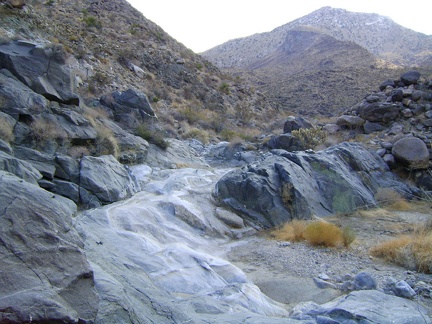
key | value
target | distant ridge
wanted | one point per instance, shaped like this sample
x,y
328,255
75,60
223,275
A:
x,y
378,34
323,63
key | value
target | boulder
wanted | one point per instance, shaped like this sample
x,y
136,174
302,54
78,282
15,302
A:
x,y
67,168
106,179
364,281
21,169
411,152
379,111
66,189
396,95
366,306
18,100
386,84
350,121
285,142
45,275
41,69
44,163
295,123
410,77
284,185
370,127
129,107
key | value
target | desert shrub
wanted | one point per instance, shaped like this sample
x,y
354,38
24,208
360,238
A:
x,y
198,134
154,137
391,199
291,231
43,130
228,134
310,137
92,21
323,233
6,130
106,143
243,112
224,88
192,115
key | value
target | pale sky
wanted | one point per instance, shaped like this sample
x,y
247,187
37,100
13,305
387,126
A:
x,y
201,24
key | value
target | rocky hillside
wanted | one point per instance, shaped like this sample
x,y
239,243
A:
x,y
110,46
309,65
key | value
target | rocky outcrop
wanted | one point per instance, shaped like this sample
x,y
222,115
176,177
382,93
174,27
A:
x,y
401,112
40,68
285,186
155,249
51,132
130,108
45,275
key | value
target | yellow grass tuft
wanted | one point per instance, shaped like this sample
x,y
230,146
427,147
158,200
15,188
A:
x,y
292,231
391,199
323,233
410,251
316,233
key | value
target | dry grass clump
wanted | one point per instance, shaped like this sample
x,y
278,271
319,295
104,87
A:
x,y
292,231
43,130
410,251
199,134
317,233
323,233
391,199
6,130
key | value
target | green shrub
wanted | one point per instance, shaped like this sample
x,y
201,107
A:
x,y
154,137
224,88
310,137
228,134
92,21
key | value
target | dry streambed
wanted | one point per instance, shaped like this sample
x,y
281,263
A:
x,y
286,271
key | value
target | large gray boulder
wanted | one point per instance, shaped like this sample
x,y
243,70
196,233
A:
x,y
106,179
412,152
295,123
285,142
410,77
284,185
18,100
364,306
130,108
45,276
40,68
379,111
